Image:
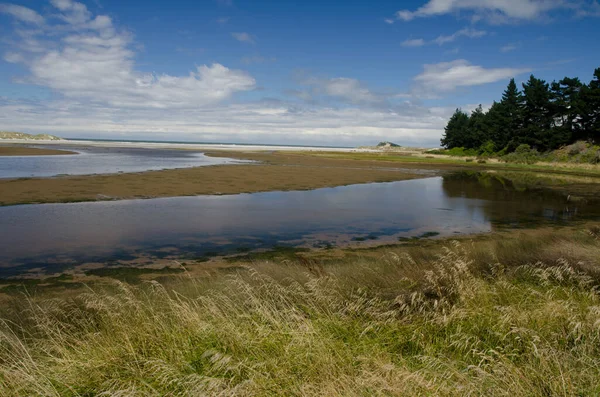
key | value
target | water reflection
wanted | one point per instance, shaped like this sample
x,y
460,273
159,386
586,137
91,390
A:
x,y
505,203
52,237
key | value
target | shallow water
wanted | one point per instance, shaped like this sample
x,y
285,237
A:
x,y
93,160
53,237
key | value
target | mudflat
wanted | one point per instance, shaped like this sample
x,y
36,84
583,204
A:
x,y
30,151
272,171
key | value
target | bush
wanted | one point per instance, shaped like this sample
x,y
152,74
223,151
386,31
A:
x,y
523,154
487,149
577,148
591,155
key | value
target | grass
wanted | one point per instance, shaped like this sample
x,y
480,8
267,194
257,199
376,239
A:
x,y
445,161
514,314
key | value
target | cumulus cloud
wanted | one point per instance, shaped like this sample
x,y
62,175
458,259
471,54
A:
x,y
93,61
250,122
498,11
447,76
243,37
88,63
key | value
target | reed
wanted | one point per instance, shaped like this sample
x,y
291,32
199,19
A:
x,y
401,324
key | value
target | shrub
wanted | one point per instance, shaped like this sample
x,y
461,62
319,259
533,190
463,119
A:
x,y
523,154
487,149
591,155
577,148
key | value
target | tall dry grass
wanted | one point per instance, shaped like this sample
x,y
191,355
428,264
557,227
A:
x,y
396,325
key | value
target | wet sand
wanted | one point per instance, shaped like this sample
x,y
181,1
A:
x,y
30,151
275,171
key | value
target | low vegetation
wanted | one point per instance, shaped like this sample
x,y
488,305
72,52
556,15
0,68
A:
x,y
580,152
22,135
513,315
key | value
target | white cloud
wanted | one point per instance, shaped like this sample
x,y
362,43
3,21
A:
x,y
466,32
243,37
509,47
413,43
88,63
441,40
258,122
349,89
343,89
498,11
21,13
94,62
447,76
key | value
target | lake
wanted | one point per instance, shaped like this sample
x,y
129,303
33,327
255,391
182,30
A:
x,y
49,238
104,160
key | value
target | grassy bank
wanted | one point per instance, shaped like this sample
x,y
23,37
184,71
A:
x,y
30,151
513,314
426,159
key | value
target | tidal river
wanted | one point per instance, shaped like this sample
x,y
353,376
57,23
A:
x,y
52,237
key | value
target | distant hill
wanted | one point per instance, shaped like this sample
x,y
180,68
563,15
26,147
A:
x,y
387,144
29,137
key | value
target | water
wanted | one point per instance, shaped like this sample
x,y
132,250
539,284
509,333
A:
x,y
52,237
93,160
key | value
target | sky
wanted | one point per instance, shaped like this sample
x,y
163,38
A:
x,y
281,72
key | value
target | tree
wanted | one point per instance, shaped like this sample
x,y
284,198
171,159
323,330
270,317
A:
x,y
476,129
566,111
537,115
456,130
590,108
508,122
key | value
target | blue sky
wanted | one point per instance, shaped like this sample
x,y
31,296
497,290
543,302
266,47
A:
x,y
311,72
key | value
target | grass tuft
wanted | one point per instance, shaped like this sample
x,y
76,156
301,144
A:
x,y
458,322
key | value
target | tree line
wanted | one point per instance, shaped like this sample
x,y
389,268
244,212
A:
x,y
542,115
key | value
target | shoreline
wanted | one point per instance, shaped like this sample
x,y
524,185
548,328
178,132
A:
x,y
187,146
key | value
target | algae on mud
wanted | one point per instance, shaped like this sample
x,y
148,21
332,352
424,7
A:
x,y
31,151
277,171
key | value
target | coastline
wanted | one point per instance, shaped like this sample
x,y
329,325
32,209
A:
x,y
188,146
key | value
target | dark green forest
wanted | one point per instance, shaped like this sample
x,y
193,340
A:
x,y
544,116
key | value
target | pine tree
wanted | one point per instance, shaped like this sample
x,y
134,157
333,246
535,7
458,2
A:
x,y
590,109
537,115
508,125
456,130
566,111
477,129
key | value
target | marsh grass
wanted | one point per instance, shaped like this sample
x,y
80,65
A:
x,y
469,319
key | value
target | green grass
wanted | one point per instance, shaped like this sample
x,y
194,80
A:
x,y
515,315
443,162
